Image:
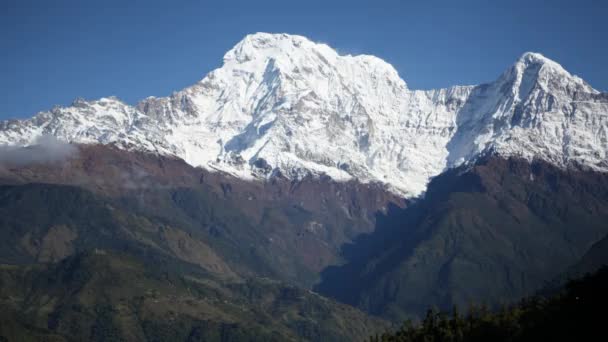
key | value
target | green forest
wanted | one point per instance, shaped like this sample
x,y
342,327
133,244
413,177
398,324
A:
x,y
576,313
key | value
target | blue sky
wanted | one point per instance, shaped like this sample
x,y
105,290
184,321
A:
x,y
54,51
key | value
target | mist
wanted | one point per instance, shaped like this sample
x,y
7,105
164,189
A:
x,y
45,149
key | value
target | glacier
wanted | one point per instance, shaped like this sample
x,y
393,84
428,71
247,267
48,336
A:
x,y
284,105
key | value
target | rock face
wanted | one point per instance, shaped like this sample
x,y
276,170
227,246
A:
x,y
282,104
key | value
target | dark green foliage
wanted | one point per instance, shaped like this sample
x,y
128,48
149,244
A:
x,y
576,314
110,296
104,328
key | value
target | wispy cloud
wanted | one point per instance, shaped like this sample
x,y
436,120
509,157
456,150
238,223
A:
x,y
45,149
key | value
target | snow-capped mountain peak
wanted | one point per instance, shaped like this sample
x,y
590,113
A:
x,y
533,69
283,104
535,109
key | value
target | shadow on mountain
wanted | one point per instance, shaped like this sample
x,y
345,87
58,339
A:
x,y
490,233
371,256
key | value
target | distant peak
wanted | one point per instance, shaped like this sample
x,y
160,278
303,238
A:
x,y
263,43
266,38
533,68
110,100
537,60
79,101
258,48
534,57
263,40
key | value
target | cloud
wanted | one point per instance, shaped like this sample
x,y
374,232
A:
x,y
45,149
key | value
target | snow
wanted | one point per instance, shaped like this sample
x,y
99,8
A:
x,y
307,110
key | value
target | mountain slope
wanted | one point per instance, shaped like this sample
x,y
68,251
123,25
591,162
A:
x,y
108,296
574,312
80,266
492,233
285,229
281,104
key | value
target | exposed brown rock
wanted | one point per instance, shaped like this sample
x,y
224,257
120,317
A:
x,y
195,251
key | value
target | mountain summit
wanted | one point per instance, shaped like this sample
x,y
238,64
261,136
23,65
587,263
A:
x,y
284,105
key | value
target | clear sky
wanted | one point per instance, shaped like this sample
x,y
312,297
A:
x,y
52,51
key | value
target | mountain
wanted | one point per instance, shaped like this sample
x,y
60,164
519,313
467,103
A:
x,y
282,104
110,296
282,229
488,233
109,264
290,179
107,218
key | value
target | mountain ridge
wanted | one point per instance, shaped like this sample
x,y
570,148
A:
x,y
282,104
